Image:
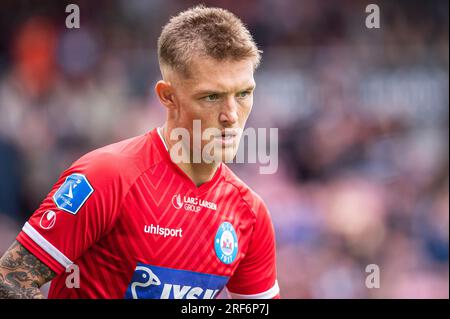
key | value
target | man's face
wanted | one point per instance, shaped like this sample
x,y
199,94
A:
x,y
220,95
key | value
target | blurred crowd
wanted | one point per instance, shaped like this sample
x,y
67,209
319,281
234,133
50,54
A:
x,y
362,116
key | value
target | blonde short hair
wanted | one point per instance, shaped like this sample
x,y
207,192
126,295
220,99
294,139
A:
x,y
212,32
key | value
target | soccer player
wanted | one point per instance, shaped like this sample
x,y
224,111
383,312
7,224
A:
x,y
128,221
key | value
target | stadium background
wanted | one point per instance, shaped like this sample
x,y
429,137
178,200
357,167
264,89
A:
x,y
362,117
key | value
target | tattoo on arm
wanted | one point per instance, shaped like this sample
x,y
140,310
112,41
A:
x,y
21,274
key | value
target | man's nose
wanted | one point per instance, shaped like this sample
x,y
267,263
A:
x,y
229,114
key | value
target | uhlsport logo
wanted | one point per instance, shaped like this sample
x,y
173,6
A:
x,y
152,282
48,219
226,243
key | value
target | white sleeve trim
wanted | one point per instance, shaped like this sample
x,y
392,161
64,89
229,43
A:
x,y
269,294
46,245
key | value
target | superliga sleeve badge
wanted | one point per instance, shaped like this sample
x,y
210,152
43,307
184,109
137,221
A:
x,y
73,193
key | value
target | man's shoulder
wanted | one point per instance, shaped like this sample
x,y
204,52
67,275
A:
x,y
250,197
127,158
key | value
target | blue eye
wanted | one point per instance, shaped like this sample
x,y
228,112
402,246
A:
x,y
212,97
243,94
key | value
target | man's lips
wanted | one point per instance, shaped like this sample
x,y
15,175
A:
x,y
227,137
228,134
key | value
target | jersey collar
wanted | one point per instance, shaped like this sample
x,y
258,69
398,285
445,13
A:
x,y
164,150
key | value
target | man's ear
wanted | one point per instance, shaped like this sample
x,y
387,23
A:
x,y
165,92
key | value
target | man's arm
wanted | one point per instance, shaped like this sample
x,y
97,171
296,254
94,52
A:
x,y
22,274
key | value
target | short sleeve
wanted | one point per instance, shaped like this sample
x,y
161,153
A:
x,y
256,275
80,208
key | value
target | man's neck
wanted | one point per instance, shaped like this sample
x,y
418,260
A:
x,y
199,173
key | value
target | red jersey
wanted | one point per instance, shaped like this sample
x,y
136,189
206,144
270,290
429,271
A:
x,y
136,226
